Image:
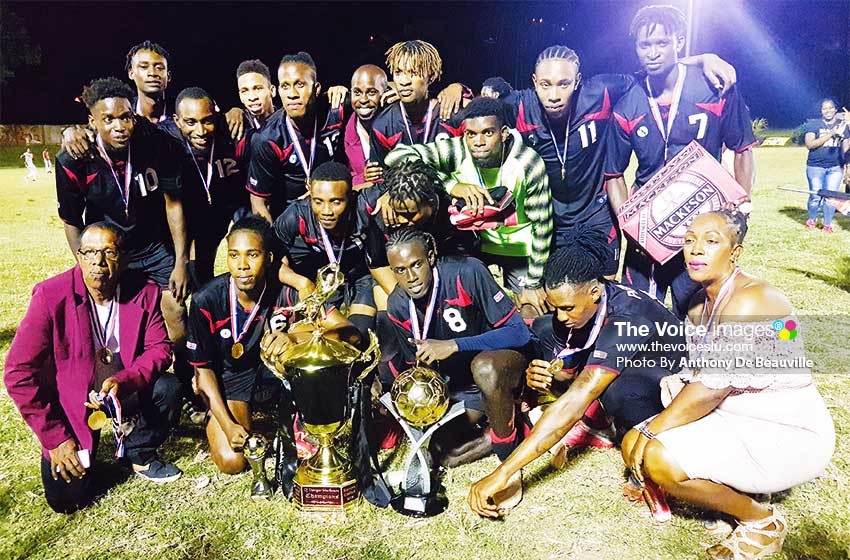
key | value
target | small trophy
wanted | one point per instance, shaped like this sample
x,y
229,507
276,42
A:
x,y
255,453
419,400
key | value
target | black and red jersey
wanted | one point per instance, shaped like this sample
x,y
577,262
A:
x,y
580,194
702,115
210,337
227,178
389,130
300,234
469,303
276,171
88,192
450,240
618,345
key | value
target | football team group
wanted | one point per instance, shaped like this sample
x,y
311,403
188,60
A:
x,y
419,201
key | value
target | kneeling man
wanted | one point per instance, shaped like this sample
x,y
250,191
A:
x,y
93,328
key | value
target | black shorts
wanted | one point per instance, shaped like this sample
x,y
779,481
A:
x,y
156,262
633,396
248,386
359,291
471,395
602,224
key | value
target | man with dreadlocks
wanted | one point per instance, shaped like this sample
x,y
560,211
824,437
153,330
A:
x,y
659,115
414,193
564,118
449,314
603,341
294,140
415,118
489,158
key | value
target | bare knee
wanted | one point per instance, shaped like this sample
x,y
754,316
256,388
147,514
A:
x,y
175,317
628,443
485,373
229,462
660,466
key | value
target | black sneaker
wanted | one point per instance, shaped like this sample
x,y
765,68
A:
x,y
159,471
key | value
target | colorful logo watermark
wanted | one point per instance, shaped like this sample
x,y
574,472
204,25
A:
x,y
785,330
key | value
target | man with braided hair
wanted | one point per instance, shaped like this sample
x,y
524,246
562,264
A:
x,y
450,315
564,119
490,157
608,339
415,118
413,191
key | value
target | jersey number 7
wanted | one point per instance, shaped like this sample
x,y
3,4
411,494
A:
x,y
702,120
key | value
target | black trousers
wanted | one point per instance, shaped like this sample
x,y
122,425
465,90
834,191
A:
x,y
633,397
159,410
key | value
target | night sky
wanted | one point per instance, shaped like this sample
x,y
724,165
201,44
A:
x,y
789,53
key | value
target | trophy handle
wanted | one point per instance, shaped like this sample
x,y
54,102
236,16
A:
x,y
374,350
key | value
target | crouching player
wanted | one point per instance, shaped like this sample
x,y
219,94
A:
x,y
450,315
612,335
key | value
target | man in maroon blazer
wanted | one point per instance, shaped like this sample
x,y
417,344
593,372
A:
x,y
90,329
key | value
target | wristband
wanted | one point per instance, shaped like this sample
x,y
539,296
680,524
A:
x,y
645,431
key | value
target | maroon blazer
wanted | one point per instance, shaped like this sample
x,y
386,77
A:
x,y
354,151
50,366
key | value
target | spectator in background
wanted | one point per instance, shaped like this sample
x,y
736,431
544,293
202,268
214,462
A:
x,y
495,87
827,139
48,165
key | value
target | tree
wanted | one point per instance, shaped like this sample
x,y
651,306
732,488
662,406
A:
x,y
18,50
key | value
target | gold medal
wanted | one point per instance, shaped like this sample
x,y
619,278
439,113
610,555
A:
x,y
97,420
555,366
548,397
105,355
237,350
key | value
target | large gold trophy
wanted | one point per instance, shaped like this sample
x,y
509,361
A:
x,y
319,371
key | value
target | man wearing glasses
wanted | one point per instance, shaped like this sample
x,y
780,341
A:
x,y
93,345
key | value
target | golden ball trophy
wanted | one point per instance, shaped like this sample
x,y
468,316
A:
x,y
319,372
419,400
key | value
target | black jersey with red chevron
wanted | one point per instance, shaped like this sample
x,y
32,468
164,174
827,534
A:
x,y
301,238
275,171
702,115
469,303
580,195
388,130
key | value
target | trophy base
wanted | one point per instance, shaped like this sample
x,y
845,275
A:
x,y
326,498
420,506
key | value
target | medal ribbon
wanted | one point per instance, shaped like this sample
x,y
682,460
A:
x,y
307,167
429,311
722,296
326,244
594,332
674,107
233,304
562,157
113,406
128,174
104,333
427,123
208,180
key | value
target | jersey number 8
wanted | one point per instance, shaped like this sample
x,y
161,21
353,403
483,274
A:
x,y
454,320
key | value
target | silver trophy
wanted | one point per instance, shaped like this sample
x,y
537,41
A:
x,y
419,400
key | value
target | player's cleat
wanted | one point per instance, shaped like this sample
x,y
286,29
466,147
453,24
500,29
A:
x,y
580,435
810,224
649,492
827,229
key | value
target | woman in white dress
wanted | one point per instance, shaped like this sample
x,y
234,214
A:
x,y
754,425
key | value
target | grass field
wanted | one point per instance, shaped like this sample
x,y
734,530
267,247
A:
x,y
575,513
